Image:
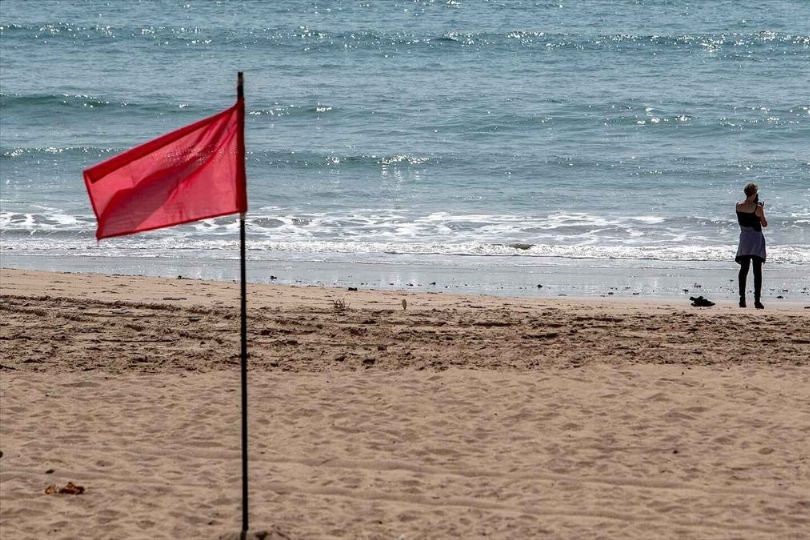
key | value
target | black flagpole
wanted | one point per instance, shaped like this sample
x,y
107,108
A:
x,y
240,93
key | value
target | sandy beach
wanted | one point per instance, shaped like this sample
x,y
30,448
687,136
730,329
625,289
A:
x,y
384,414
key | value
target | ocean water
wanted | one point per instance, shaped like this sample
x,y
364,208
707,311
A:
x,y
590,130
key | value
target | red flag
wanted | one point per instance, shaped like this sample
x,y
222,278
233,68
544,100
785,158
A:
x,y
196,172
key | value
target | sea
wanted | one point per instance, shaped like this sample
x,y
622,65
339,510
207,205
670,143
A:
x,y
573,147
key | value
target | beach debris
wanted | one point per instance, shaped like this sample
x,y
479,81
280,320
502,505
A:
x,y
352,288
69,489
541,335
49,471
273,278
701,302
685,290
404,304
781,297
340,305
539,286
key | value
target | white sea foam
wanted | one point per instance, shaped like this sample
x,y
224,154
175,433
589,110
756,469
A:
x,y
152,245
573,234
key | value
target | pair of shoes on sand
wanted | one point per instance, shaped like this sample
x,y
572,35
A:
x,y
701,302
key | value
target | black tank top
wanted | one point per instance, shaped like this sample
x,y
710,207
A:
x,y
749,219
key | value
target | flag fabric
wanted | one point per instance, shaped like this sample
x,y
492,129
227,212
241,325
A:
x,y
196,172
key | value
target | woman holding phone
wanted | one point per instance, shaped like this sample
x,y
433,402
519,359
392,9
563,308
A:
x,y
751,217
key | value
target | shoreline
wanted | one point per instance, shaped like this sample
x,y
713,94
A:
x,y
505,277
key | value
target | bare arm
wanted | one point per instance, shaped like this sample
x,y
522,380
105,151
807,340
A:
x,y
760,212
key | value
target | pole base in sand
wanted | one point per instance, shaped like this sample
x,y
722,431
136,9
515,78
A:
x,y
272,534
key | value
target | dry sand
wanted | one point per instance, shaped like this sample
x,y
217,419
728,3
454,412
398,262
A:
x,y
459,417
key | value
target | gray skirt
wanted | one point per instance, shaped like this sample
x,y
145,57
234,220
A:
x,y
752,244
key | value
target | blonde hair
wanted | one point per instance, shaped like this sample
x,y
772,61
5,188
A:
x,y
750,189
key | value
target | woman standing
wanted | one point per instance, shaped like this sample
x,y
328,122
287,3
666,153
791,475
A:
x,y
751,217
